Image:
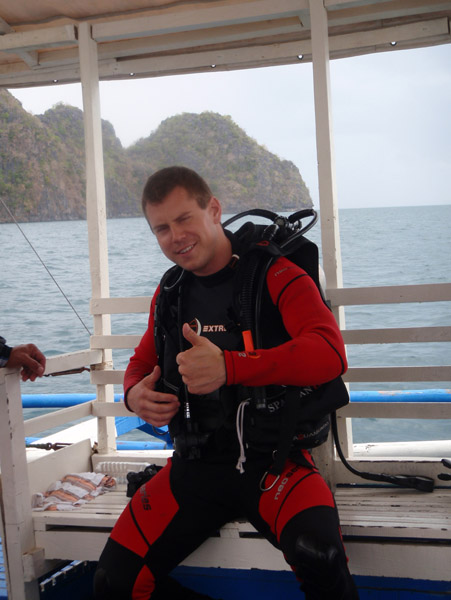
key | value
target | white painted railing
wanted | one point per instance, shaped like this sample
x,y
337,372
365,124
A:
x,y
341,298
395,295
393,373
103,375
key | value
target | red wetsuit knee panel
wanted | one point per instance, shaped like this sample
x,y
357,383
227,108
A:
x,y
149,512
297,489
144,585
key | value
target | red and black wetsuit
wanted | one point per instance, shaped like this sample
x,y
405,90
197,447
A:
x,y
189,500
5,352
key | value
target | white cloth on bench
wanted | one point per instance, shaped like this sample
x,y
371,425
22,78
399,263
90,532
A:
x,y
73,490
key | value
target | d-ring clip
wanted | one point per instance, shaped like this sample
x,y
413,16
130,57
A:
x,y
263,489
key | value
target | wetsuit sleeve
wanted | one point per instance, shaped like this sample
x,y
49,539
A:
x,y
315,354
5,352
144,359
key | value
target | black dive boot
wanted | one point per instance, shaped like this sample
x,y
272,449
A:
x,y
323,571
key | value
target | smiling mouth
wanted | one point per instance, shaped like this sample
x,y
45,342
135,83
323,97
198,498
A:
x,y
186,250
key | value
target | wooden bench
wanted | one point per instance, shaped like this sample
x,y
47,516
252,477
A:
x,y
386,532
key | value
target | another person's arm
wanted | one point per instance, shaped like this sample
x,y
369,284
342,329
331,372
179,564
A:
x,y
25,356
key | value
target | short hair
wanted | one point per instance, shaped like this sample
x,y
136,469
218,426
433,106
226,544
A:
x,y
162,182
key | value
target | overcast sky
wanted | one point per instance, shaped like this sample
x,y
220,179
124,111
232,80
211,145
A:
x,y
391,119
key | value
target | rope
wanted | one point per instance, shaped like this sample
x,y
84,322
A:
x,y
239,431
44,265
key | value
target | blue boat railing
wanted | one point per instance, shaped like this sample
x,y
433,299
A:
x,y
432,395
160,436
160,439
428,395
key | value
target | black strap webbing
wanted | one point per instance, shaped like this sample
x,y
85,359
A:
x,y
287,431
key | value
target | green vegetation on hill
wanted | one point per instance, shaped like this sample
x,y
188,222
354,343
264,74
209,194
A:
x,y
42,170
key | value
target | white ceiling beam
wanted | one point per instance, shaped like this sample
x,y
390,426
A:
x,y
275,53
31,59
185,19
346,12
188,39
158,66
386,35
5,27
389,5
39,38
338,43
18,74
213,59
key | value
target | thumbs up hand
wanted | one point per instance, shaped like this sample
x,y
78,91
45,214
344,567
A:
x,y
202,367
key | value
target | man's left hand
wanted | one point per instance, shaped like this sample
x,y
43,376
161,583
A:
x,y
202,367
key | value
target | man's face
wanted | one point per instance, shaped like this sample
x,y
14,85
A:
x,y
186,233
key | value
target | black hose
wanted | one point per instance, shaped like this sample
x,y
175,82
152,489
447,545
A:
x,y
417,482
256,212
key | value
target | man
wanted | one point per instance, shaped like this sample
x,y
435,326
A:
x,y
193,371
28,357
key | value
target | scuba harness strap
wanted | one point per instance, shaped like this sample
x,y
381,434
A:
x,y
287,432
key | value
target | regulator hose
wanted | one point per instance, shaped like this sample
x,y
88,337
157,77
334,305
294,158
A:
x,y
417,482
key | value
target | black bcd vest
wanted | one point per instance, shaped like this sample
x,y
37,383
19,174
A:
x,y
282,418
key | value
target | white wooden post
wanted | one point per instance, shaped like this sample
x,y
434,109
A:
x,y
18,535
96,213
330,235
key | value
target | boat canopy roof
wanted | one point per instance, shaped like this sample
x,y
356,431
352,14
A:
x,y
149,38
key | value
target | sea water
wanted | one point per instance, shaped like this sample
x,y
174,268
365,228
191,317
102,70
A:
x,y
380,246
